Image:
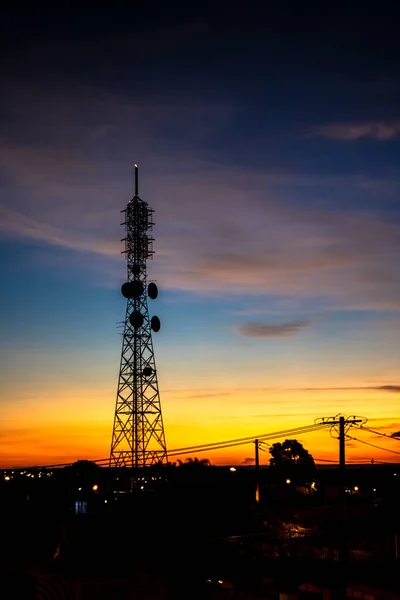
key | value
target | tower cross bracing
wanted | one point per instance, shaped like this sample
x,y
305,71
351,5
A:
x,y
138,437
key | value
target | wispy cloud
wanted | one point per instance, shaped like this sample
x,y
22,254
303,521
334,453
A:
x,y
16,224
383,388
388,388
276,330
68,185
210,395
349,132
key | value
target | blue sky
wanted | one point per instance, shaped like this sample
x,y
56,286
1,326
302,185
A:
x,y
268,146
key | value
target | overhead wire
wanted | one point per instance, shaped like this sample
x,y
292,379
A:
x,y
370,430
214,445
373,445
325,460
244,441
248,440
263,436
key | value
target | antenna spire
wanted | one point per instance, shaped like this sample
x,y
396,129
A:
x,y
136,180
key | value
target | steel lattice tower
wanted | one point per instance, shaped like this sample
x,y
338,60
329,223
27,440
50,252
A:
x,y
138,437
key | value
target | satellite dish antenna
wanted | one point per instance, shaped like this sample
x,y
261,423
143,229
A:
x,y
152,290
155,323
136,319
132,289
147,371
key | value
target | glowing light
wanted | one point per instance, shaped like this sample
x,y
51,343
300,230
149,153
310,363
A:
x,y
95,487
356,488
80,489
374,490
7,478
288,481
232,469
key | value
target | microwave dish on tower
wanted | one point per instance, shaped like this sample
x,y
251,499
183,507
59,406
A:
x,y
138,437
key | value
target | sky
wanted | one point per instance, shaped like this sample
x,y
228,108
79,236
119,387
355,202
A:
x,y
268,143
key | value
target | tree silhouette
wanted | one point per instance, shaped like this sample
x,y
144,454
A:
x,y
84,473
292,462
194,463
84,467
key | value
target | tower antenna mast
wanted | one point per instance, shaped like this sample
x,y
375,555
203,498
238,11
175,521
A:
x,y
138,438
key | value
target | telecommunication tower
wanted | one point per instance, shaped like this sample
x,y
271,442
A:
x,y
138,438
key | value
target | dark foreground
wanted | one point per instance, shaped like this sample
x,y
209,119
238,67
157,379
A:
x,y
199,535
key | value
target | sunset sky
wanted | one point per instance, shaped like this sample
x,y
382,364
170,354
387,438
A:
x,y
268,145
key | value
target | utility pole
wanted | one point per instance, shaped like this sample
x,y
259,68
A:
x,y
342,446
257,463
342,426
342,492
343,547
257,445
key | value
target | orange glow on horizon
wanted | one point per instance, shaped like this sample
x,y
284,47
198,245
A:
x,y
86,433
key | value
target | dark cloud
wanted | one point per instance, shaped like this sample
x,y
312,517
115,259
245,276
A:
x,y
247,461
385,388
349,132
350,444
276,330
211,395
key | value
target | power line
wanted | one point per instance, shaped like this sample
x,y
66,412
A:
x,y
241,442
391,437
212,446
210,449
244,441
325,460
263,436
373,445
